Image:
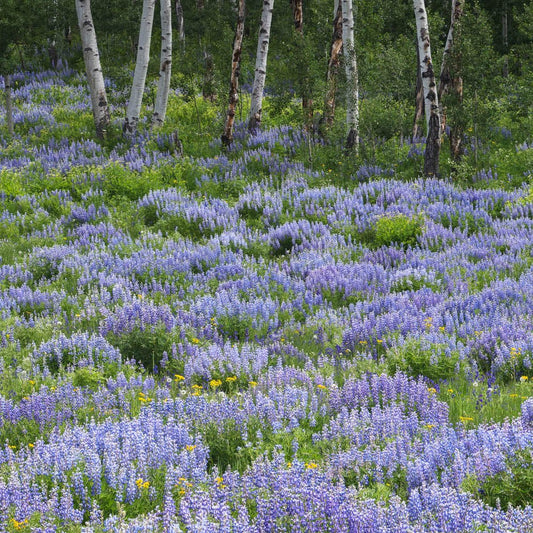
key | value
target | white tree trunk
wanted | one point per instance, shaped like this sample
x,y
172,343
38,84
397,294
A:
x,y
256,108
163,86
180,22
431,101
352,82
9,105
141,67
93,68
449,38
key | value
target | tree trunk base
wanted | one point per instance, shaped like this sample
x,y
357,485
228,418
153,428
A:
x,y
352,141
456,145
254,124
431,155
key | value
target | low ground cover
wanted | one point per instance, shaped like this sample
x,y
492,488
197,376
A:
x,y
241,341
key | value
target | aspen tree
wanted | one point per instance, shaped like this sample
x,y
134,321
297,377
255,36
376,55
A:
x,y
180,24
258,87
333,65
450,80
418,129
431,101
93,68
352,84
163,86
133,110
227,136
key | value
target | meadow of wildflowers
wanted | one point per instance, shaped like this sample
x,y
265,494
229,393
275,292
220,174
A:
x,y
242,342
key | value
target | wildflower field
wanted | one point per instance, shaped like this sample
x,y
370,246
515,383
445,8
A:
x,y
271,338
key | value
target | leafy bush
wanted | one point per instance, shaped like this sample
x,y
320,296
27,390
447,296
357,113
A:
x,y
512,487
399,229
430,361
146,346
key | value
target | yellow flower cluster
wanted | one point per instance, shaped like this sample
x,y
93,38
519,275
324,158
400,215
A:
x,y
142,484
19,525
183,484
220,484
143,398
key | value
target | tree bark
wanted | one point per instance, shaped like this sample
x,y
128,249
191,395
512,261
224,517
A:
x,y
352,84
450,81
163,86
227,136
180,23
93,68
256,108
431,155
9,105
133,110
333,66
297,16
419,101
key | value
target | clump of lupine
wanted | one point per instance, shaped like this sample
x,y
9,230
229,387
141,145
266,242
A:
x,y
237,342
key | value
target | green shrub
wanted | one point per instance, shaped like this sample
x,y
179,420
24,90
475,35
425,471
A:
x,y
87,377
144,346
418,360
512,487
398,229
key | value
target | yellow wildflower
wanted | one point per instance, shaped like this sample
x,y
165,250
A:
x,y
311,465
190,447
231,379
